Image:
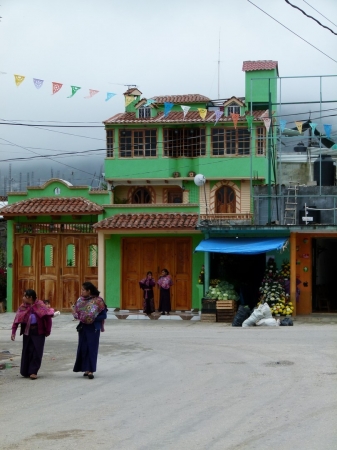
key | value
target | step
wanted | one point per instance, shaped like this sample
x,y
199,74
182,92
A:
x,y
125,314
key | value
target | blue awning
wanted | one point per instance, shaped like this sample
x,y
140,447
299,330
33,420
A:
x,y
243,246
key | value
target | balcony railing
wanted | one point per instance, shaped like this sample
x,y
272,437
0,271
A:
x,y
226,219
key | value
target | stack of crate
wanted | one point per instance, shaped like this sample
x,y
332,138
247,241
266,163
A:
x,y
225,310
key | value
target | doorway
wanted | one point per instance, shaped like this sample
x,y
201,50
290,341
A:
x,y
140,255
324,288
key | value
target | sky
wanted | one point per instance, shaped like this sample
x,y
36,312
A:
x,y
162,47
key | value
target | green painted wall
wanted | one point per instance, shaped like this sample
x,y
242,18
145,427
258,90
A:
x,y
257,87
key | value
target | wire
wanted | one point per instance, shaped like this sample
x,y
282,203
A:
x,y
291,31
319,13
310,17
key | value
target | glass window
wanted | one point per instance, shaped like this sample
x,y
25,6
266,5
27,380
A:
x,y
144,112
230,141
175,196
109,143
70,255
48,255
27,255
141,195
233,110
260,141
93,255
184,142
225,200
137,143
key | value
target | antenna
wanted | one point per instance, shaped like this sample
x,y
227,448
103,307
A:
x,y
219,67
130,86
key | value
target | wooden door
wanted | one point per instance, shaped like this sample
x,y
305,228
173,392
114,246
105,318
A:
x,y
70,271
154,254
49,270
26,269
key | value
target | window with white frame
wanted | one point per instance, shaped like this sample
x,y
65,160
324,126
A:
x,y
233,109
260,141
144,112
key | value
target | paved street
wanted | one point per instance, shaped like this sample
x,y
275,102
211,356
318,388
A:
x,y
165,385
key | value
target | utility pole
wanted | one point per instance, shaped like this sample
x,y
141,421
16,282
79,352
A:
x,y
219,68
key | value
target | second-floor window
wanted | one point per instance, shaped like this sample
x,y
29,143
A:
x,y
144,112
141,195
233,110
260,140
184,142
109,143
230,142
137,143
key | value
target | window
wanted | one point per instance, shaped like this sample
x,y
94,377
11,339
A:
x,y
71,261
175,196
137,143
144,112
27,255
48,256
233,110
225,200
260,141
230,141
93,255
184,142
141,195
109,143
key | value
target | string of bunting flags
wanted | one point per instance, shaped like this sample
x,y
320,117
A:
x,y
56,87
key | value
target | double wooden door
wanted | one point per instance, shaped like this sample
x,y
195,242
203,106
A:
x,y
55,266
141,255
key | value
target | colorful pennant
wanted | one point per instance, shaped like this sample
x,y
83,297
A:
x,y
167,108
37,83
74,89
202,112
218,114
283,124
109,95
149,102
299,126
313,126
92,92
327,129
249,119
267,122
235,118
334,147
19,79
185,109
129,99
56,87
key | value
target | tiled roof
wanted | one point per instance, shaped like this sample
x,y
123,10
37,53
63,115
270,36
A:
x,y
51,206
175,117
187,98
149,221
248,66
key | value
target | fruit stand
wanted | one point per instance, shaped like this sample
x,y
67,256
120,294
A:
x,y
223,295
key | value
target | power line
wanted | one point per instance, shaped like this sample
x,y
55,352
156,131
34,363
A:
x,y
319,13
291,31
310,17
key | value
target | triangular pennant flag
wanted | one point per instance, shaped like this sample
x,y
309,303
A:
x,y
37,83
56,87
313,126
167,108
109,95
327,129
267,122
185,109
235,118
92,92
202,112
249,119
334,147
299,126
74,89
218,114
149,101
19,79
283,124
129,99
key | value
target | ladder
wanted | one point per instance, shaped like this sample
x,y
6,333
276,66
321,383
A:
x,y
290,208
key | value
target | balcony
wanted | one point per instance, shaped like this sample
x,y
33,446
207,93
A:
x,y
224,219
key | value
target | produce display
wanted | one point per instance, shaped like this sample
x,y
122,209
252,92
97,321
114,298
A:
x,y
222,291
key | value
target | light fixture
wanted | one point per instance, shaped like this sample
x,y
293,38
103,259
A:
x,y
183,187
112,187
17,227
237,236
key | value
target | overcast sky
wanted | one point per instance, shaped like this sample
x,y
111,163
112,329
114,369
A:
x,y
163,47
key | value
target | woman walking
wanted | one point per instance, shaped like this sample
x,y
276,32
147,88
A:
x,y
147,285
35,320
91,311
164,282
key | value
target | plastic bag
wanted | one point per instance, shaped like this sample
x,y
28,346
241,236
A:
x,y
242,314
266,311
269,322
287,322
256,315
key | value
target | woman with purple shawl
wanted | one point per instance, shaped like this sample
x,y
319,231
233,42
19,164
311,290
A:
x,y
91,311
164,282
35,322
147,285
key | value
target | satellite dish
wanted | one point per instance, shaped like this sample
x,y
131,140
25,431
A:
x,y
199,180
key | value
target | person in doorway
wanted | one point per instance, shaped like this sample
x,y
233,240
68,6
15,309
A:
x,y
165,282
147,285
90,309
35,321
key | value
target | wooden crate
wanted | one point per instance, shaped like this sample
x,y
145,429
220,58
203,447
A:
x,y
223,316
226,304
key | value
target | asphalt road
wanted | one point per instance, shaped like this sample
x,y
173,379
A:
x,y
172,385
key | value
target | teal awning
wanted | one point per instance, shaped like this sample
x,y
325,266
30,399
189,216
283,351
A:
x,y
243,246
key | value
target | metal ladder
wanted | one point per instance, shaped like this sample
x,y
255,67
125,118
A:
x,y
290,208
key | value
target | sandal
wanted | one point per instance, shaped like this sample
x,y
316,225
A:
x,y
86,374
33,376
91,376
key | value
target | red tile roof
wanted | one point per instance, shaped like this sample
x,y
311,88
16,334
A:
x,y
248,66
176,117
187,98
169,221
51,206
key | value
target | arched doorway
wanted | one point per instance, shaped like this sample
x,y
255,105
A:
x,y
225,200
